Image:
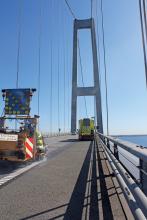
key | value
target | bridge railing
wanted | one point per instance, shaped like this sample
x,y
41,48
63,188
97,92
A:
x,y
135,190
55,134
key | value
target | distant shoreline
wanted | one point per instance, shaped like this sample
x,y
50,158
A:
x,y
128,135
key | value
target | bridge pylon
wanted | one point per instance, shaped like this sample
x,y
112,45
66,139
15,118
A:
x,y
85,91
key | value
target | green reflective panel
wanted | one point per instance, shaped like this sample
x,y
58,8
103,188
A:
x,y
18,101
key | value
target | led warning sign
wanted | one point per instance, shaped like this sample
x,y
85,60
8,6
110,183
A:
x,y
17,101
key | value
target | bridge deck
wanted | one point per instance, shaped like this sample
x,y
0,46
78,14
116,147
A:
x,y
75,183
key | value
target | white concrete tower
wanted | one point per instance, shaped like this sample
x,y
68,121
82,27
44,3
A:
x,y
85,91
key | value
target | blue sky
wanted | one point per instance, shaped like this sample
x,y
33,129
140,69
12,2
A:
x,y
127,93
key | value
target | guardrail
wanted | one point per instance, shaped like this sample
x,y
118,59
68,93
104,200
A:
x,y
135,195
55,134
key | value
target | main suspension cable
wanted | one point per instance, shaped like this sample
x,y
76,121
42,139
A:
x,y
70,9
105,66
19,41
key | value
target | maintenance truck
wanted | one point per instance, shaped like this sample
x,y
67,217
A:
x,y
19,138
86,129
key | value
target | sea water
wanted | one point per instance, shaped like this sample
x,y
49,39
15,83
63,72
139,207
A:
x,y
137,139
129,160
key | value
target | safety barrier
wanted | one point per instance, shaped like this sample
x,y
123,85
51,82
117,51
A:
x,y
135,195
55,134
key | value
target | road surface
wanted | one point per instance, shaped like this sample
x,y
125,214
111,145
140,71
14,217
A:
x,y
74,182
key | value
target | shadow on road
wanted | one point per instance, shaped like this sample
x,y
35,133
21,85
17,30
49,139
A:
x,y
70,140
79,200
106,206
84,198
45,212
76,203
7,167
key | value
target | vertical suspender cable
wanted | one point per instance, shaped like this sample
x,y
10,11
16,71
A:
x,y
72,14
64,75
64,71
98,43
59,70
39,58
98,52
105,67
91,8
64,86
145,18
70,76
68,81
92,23
68,60
51,71
68,68
143,39
58,67
51,79
18,48
58,90
81,67
19,39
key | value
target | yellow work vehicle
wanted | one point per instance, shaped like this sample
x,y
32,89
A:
x,y
86,129
19,138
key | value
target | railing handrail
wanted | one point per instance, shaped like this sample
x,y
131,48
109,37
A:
x,y
136,150
131,190
55,134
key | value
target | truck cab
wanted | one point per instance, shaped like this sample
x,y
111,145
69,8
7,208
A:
x,y
86,129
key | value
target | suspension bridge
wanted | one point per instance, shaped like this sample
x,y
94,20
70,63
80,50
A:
x,y
105,178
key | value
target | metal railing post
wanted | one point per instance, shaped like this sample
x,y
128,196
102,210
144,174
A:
x,y
108,144
138,193
116,151
143,176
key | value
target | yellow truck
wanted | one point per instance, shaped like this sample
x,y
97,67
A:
x,y
86,129
21,144
19,138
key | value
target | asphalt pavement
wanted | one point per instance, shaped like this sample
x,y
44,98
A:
x,y
72,183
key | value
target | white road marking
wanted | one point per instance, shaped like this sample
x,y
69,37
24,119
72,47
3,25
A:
x,y
7,177
55,143
17,173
